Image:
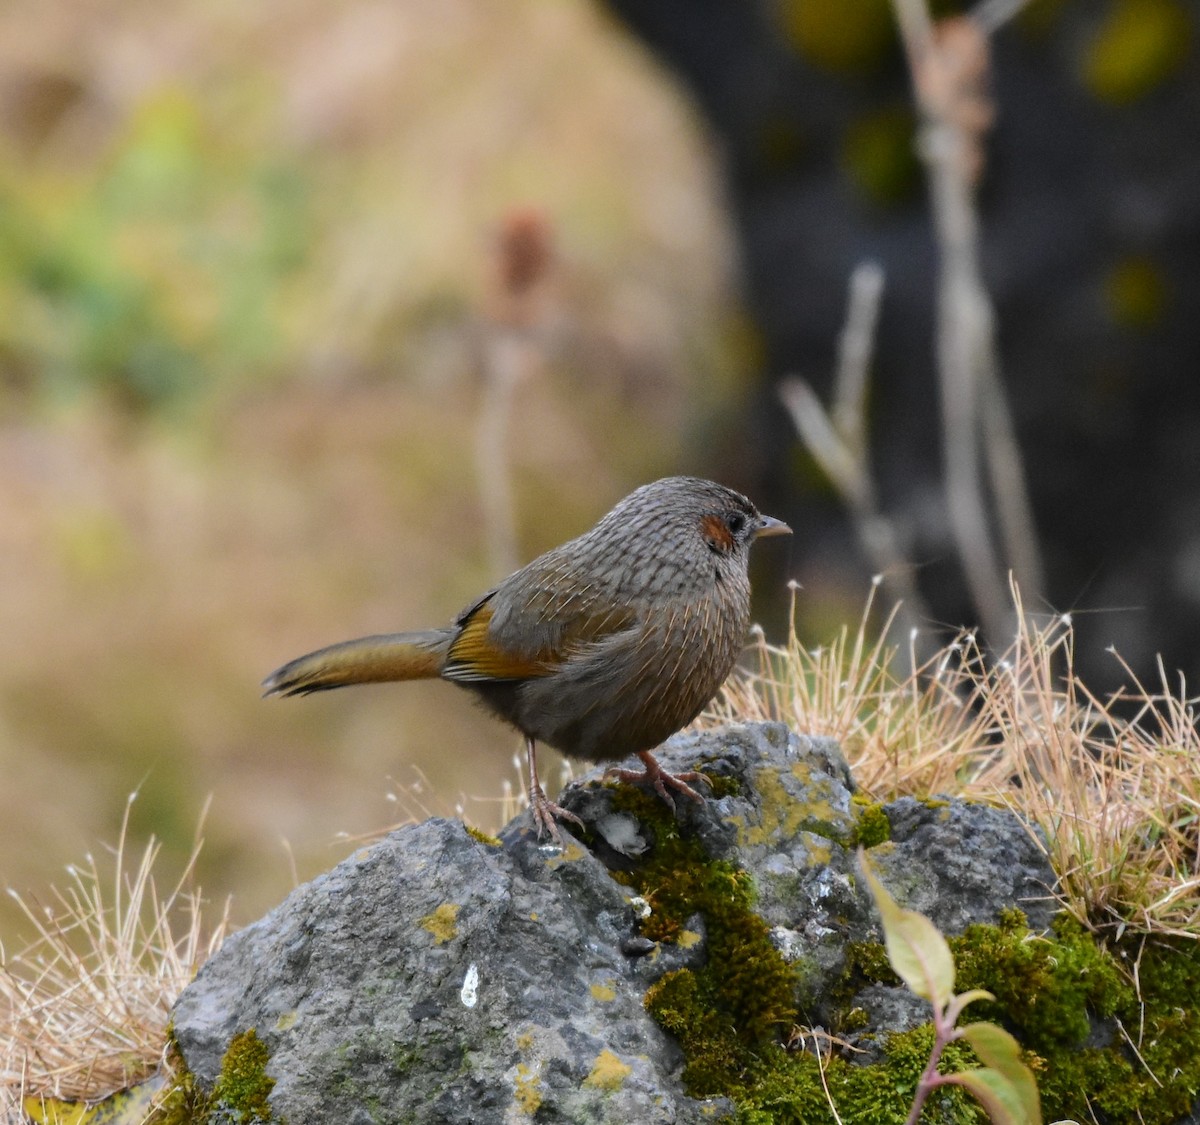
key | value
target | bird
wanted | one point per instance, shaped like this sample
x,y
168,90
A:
x,y
602,647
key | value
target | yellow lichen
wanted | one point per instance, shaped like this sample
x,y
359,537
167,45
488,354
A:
x,y
608,1072
442,923
603,992
688,938
528,1093
571,853
782,815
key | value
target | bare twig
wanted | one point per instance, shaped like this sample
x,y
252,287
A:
x,y
514,342
837,440
856,349
991,15
504,364
949,66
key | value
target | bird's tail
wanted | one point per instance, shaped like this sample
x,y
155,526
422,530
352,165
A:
x,y
368,660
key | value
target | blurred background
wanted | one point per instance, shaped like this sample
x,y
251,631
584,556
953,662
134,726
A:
x,y
315,316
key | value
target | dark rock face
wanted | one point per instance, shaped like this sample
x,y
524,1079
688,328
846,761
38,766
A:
x,y
434,977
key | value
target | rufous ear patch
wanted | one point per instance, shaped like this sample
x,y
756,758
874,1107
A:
x,y
716,531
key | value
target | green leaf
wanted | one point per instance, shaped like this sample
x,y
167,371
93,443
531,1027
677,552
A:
x,y
1001,1053
994,1046
1004,1102
917,952
959,1002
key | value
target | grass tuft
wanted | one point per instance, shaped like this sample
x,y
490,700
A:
x,y
85,1004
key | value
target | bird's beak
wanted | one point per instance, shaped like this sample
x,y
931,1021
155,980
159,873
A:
x,y
769,525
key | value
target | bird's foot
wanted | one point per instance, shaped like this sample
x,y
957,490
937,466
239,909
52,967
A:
x,y
660,779
546,815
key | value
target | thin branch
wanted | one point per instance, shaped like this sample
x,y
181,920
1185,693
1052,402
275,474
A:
x,y
949,65
856,349
504,364
991,15
514,346
1014,511
838,443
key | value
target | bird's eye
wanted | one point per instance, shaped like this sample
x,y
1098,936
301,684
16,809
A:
x,y
736,522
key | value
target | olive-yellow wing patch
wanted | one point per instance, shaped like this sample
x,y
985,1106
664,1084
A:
x,y
476,654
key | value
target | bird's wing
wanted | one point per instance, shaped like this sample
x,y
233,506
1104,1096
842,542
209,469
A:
x,y
507,638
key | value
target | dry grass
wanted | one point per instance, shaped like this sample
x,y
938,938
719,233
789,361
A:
x,y
1112,783
84,1006
901,734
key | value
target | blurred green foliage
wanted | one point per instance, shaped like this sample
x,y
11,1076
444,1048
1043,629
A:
x,y
844,38
1135,292
153,270
879,153
1140,44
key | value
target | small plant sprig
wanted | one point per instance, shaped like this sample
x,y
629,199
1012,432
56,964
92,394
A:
x,y
918,953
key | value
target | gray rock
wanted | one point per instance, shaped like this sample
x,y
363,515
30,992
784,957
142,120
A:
x,y
889,1009
433,977
954,861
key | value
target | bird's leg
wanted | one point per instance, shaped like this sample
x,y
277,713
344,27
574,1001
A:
x,y
660,779
544,810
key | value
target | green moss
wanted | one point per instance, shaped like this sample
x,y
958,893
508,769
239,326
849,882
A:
x,y
856,1019
740,1001
867,963
789,1089
1164,1023
243,1086
729,1014
1044,987
405,1060
722,786
238,1097
872,826
1049,988
483,837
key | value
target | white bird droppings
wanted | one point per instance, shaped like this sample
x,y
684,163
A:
x,y
470,988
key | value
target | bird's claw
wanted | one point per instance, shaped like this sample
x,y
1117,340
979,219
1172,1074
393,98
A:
x,y
546,815
661,779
